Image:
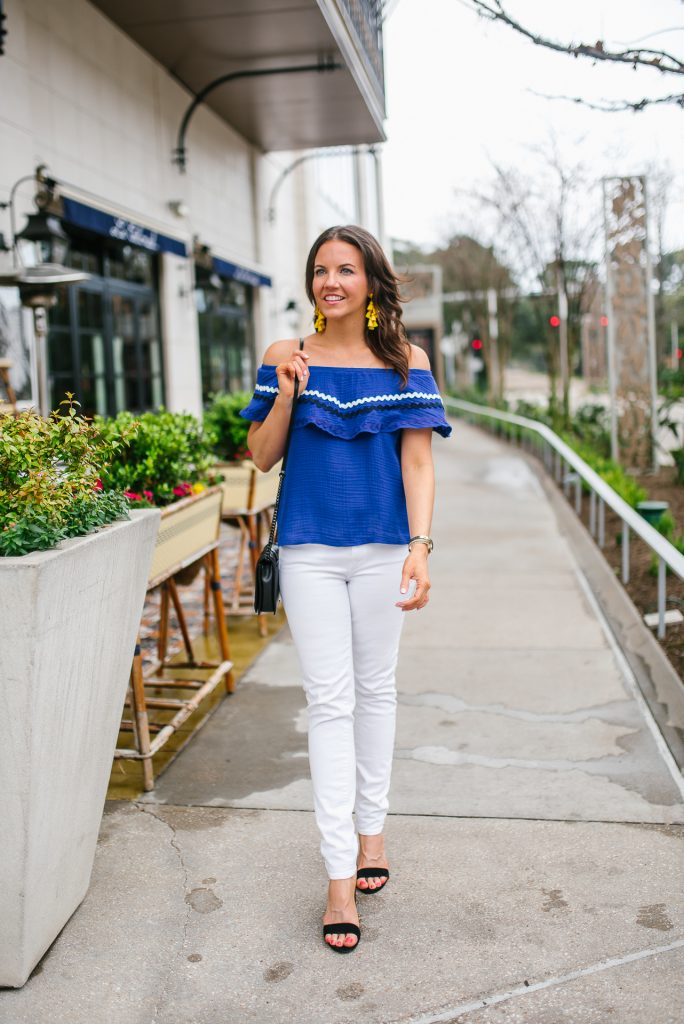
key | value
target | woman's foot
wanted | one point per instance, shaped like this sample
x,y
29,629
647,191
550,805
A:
x,y
341,908
371,855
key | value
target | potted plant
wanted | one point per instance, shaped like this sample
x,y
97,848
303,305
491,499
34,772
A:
x,y
167,465
73,572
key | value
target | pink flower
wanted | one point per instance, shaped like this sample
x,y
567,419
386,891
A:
x,y
181,490
132,496
98,485
148,495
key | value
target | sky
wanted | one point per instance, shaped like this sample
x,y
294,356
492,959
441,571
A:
x,y
459,94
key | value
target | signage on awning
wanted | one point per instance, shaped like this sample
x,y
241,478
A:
x,y
92,219
227,269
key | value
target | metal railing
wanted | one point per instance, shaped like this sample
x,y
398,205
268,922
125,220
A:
x,y
557,456
366,17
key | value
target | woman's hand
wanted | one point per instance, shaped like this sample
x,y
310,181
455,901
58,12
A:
x,y
287,371
415,568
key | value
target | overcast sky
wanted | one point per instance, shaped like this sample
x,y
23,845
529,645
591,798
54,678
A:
x,y
458,92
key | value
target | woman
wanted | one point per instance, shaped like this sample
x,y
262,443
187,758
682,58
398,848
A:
x,y
359,487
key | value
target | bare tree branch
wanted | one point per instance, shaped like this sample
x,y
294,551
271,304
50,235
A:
x,y
662,61
614,106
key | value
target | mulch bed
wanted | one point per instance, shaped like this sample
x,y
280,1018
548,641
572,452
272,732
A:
x,y
643,583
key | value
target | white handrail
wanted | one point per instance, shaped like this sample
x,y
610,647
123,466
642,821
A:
x,y
666,552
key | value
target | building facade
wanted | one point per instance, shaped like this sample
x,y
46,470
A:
x,y
191,271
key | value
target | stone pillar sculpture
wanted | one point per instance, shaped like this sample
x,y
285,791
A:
x,y
631,334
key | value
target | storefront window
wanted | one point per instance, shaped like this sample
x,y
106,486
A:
x,y
61,350
103,342
88,262
225,328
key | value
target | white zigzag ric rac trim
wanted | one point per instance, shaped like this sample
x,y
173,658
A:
x,y
370,398
357,401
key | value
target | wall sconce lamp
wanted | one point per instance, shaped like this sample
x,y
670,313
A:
x,y
292,312
205,275
38,276
178,207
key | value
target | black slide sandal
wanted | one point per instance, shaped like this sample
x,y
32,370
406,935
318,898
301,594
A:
x,y
372,873
342,928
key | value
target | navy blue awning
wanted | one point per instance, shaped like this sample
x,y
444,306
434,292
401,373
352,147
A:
x,y
92,219
237,273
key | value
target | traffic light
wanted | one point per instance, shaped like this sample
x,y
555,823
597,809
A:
x,y
478,365
3,29
554,321
604,321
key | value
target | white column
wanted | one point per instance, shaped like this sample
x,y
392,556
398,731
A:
x,y
180,334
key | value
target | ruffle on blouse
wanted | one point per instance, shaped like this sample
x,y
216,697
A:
x,y
346,401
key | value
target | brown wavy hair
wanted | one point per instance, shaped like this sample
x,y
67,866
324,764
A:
x,y
388,341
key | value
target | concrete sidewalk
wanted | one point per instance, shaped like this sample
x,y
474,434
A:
x,y
535,840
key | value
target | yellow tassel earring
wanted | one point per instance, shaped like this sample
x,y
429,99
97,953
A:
x,y
319,320
371,313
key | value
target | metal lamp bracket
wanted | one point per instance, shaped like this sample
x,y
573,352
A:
x,y
179,153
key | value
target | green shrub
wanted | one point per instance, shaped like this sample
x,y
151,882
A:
x,y
168,458
666,525
678,456
624,485
590,425
613,474
227,429
532,411
671,382
51,479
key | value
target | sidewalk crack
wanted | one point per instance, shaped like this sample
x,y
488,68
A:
x,y
457,1014
147,809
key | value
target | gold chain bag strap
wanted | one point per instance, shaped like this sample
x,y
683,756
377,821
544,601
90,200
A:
x,y
267,582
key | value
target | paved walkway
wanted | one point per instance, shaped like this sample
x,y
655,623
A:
x,y
535,838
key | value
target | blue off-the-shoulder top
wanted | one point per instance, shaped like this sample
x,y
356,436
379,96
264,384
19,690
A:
x,y
343,484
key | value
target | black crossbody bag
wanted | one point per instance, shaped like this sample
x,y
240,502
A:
x,y
267,581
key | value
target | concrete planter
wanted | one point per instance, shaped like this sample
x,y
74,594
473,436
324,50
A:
x,y
68,623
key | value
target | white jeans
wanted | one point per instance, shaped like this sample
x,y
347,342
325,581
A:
x,y
340,607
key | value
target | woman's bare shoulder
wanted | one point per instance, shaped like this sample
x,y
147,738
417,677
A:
x,y
419,359
279,351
